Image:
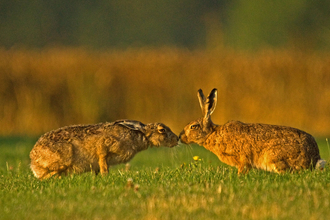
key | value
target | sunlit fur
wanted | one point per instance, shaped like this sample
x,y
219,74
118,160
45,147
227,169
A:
x,y
82,148
245,146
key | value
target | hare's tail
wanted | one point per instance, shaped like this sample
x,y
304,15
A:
x,y
320,164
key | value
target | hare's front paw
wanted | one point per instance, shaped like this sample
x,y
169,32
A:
x,y
103,166
244,169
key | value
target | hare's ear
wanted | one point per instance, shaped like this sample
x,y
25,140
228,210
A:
x,y
201,99
132,124
211,102
207,105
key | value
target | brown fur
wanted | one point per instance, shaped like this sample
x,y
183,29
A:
x,y
268,147
82,148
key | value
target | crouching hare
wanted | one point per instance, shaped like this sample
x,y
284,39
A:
x,y
82,148
245,146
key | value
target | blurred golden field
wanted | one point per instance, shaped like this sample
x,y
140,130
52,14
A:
x,y
41,90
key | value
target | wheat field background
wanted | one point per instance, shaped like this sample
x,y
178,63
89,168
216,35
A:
x,y
48,88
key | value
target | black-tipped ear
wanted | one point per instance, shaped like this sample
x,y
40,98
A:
x,y
211,102
208,104
131,124
209,107
201,99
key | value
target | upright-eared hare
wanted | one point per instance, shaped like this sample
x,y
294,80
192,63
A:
x,y
269,147
83,148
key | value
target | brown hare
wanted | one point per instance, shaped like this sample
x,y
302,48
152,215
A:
x,y
245,146
82,148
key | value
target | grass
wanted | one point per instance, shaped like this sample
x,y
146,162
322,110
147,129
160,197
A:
x,y
166,184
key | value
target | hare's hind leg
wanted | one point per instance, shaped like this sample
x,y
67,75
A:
x,y
272,161
47,172
43,173
39,171
280,167
47,162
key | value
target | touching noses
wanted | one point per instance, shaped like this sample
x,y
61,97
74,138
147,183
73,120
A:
x,y
174,137
180,135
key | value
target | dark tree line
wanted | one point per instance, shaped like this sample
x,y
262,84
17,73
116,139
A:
x,y
183,23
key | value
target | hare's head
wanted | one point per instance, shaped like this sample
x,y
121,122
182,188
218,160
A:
x,y
157,134
198,130
160,135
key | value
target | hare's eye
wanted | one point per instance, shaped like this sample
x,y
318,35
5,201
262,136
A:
x,y
162,130
194,127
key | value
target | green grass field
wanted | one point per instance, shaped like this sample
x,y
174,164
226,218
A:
x,y
167,184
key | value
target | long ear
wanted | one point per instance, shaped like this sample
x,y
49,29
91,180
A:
x,y
132,124
201,99
208,105
211,103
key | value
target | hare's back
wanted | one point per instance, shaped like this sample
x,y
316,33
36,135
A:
x,y
72,132
59,143
266,133
88,136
